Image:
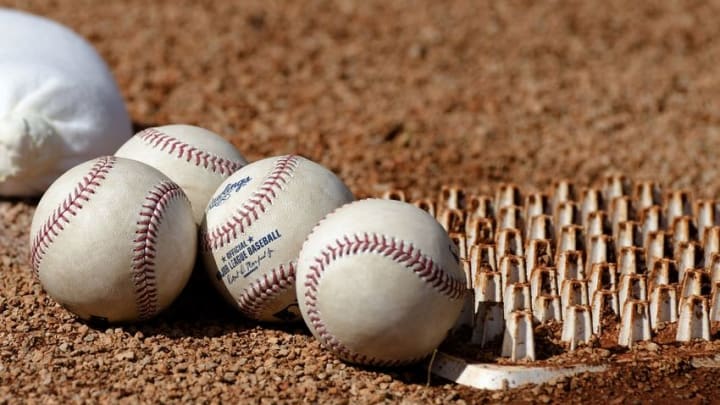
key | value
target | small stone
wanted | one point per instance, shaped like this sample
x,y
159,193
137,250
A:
x,y
127,355
652,347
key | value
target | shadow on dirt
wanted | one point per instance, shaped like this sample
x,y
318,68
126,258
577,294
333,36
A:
x,y
32,201
139,126
200,311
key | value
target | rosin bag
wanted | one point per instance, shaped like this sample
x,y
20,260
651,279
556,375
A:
x,y
59,104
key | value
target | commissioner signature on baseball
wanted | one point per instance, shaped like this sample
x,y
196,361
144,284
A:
x,y
250,266
244,256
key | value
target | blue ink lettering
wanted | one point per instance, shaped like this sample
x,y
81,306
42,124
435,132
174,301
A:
x,y
229,189
245,258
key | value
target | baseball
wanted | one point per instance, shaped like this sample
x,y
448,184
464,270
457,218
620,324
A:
x,y
196,159
379,283
114,240
255,225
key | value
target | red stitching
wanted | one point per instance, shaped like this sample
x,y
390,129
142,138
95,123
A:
x,y
260,293
248,212
182,150
82,192
402,253
144,250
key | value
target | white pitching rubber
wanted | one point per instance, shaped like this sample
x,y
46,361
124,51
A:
x,y
512,269
479,230
467,314
628,234
694,322
570,266
489,323
543,281
537,204
632,287
647,193
573,292
663,305
562,191
496,377
519,341
517,298
591,202
547,308
507,195
635,323
570,239
510,217
715,304
482,258
603,276
509,242
577,327
539,253
603,302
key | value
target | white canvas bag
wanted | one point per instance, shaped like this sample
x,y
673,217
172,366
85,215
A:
x,y
59,104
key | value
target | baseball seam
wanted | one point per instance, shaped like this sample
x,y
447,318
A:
x,y
255,298
191,154
145,246
82,193
251,209
400,252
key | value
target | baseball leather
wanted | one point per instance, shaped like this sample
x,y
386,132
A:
x,y
255,225
196,159
113,239
379,283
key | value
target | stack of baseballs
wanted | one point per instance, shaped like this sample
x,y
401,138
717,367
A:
x,y
116,239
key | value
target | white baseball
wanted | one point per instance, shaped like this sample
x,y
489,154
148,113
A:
x,y
379,283
255,225
113,239
196,159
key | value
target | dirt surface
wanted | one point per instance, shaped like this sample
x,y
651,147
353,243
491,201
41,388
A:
x,y
408,95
